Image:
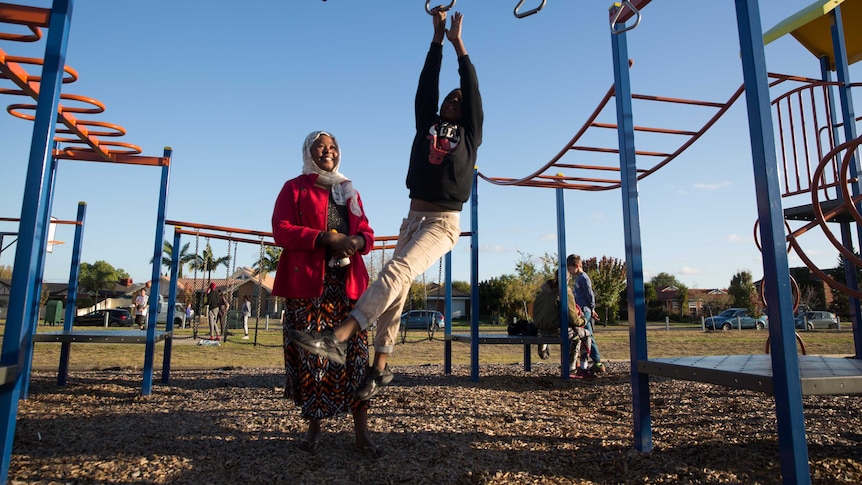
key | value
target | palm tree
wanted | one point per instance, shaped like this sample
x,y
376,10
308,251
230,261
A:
x,y
269,263
168,254
207,262
97,277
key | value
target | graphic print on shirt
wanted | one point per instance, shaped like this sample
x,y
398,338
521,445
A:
x,y
444,138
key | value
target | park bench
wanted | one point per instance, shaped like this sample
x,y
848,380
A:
x,y
506,339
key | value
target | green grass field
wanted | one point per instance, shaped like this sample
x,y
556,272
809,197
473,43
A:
x,y
613,343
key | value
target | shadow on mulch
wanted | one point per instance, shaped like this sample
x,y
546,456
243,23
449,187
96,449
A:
x,y
233,426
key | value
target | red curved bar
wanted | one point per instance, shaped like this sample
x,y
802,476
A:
x,y
34,36
556,179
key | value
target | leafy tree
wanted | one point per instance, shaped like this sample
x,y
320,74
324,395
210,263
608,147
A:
x,y
269,263
682,300
649,297
812,293
663,280
840,302
649,293
416,299
5,271
43,297
609,280
208,263
462,286
742,292
522,287
510,301
168,254
550,264
491,294
99,276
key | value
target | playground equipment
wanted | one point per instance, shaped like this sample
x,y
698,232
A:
x,y
228,234
782,373
781,370
54,114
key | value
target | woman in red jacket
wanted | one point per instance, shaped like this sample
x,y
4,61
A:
x,y
319,221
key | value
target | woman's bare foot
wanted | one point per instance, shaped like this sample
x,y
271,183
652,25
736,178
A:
x,y
311,440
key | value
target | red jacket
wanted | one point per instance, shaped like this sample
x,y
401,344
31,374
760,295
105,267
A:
x,y
299,216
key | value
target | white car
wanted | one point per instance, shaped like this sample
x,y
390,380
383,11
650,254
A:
x,y
179,314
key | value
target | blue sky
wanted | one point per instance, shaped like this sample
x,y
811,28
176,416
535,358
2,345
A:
x,y
234,88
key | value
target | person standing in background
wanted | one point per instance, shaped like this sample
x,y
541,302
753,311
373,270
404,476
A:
x,y
246,312
142,304
213,311
586,299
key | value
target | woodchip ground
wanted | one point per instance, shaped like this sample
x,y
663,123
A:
x,y
233,425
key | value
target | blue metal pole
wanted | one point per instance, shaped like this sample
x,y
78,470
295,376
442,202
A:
x,y
447,344
72,293
785,363
17,337
147,386
633,248
846,231
172,300
849,118
37,274
474,279
565,345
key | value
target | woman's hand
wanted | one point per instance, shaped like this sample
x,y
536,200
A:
x,y
342,245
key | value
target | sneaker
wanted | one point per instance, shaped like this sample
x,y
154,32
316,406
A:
x,y
583,374
544,351
374,381
245,337
598,368
322,344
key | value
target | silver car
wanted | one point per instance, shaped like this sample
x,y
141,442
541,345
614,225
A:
x,y
422,319
816,319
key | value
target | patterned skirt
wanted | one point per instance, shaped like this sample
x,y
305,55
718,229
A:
x,y
321,388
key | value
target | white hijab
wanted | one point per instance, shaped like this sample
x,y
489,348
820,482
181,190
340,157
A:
x,y
342,187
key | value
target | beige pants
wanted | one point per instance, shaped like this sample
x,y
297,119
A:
x,y
424,237
212,318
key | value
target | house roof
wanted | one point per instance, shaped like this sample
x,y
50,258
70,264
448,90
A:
x,y
240,277
708,291
439,291
671,292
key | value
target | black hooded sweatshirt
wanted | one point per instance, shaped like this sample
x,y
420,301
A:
x,y
443,155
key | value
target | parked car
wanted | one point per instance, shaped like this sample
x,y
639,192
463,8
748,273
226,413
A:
x,y
179,314
422,319
816,319
733,318
116,318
